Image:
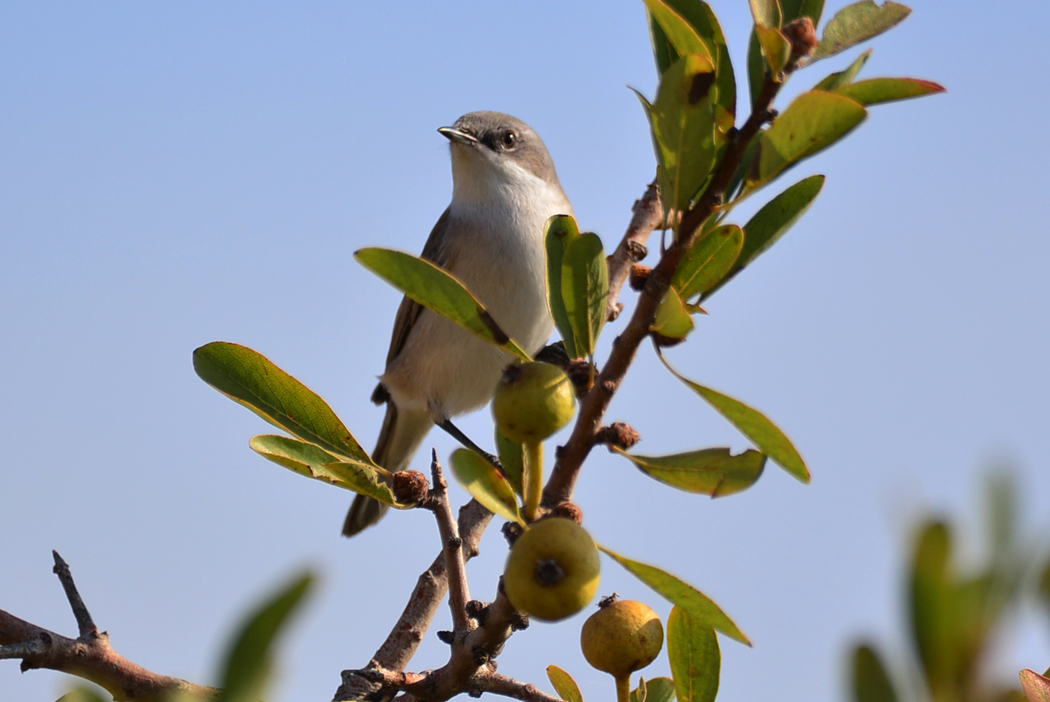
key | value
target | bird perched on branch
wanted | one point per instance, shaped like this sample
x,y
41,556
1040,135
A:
x,y
504,189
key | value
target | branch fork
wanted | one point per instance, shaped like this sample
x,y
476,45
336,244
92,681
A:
x,y
88,656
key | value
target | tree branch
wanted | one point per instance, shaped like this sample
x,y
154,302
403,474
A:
x,y
89,656
459,590
471,662
648,215
80,611
570,460
509,687
403,640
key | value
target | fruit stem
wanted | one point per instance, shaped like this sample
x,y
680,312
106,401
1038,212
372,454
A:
x,y
623,688
532,480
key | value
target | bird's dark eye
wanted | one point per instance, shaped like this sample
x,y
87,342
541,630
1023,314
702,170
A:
x,y
508,140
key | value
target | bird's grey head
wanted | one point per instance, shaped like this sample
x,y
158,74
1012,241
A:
x,y
493,145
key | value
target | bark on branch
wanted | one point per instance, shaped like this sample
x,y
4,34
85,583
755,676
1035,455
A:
x,y
89,656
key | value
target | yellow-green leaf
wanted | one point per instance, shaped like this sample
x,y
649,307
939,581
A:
x,y
875,91
858,22
512,459
250,379
775,47
766,13
692,650
708,261
672,321
439,291
684,595
841,78
682,36
703,21
559,233
752,424
813,122
585,290
684,129
772,222
776,217
564,685
713,471
756,67
656,690
486,484
309,460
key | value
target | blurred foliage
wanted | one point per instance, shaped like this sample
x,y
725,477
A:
x,y
955,613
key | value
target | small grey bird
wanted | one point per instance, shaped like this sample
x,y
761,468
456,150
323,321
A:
x,y
504,189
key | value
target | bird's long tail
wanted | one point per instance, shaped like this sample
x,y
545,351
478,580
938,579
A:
x,y
399,439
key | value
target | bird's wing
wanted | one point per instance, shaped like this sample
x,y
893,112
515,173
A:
x,y
437,253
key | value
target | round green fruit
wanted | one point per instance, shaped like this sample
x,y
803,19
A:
x,y
552,571
622,637
533,400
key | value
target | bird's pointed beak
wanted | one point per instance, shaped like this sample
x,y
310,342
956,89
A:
x,y
457,136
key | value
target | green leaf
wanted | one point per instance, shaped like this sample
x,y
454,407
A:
x,y
708,261
692,650
871,682
841,78
813,122
663,52
250,379
585,290
793,9
772,222
859,22
564,685
512,460
486,484
656,690
703,21
672,321
752,424
438,291
775,47
706,612
1036,687
875,91
249,659
776,217
309,460
682,36
683,121
756,68
713,471
766,13
560,231
640,693
934,607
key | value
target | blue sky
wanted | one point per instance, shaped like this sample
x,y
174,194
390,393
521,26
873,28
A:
x,y
177,174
